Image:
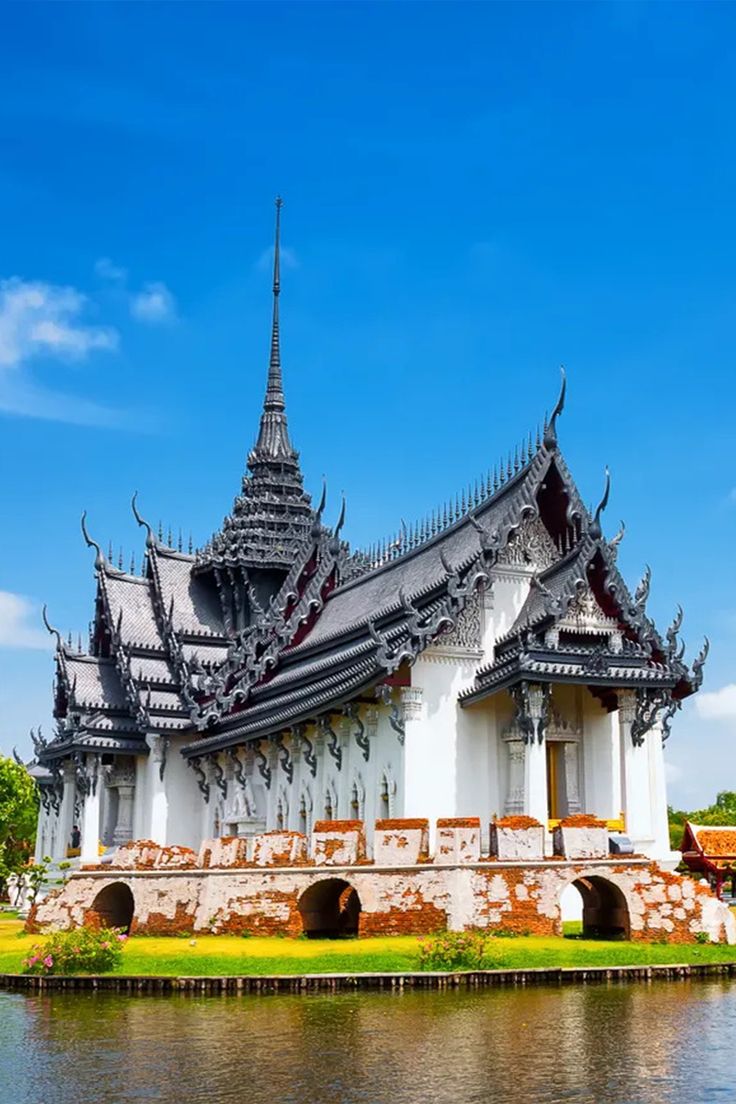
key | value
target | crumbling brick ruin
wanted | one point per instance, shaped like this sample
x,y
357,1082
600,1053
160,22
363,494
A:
x,y
282,882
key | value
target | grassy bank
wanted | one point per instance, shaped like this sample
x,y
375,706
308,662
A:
x,y
229,955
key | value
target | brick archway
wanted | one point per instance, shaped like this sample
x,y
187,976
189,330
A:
x,y
113,907
605,909
330,909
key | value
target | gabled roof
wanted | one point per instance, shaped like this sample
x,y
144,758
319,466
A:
x,y
129,602
579,623
710,848
195,609
94,683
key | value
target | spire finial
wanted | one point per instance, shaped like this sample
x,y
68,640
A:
x,y
51,630
273,436
99,555
150,538
550,429
595,525
275,389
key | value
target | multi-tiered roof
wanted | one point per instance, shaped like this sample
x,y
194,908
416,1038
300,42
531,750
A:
x,y
275,622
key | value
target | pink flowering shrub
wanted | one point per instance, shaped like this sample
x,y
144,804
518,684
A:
x,y
80,951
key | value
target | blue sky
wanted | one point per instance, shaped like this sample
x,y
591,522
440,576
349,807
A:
x,y
474,194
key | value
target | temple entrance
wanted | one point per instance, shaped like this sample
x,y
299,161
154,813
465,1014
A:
x,y
330,909
563,778
113,907
605,914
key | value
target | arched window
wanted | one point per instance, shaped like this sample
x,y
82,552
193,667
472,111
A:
x,y
385,797
357,799
280,820
329,810
303,825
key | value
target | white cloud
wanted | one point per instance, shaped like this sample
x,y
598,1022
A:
x,y
38,318
718,705
153,304
41,320
18,628
106,270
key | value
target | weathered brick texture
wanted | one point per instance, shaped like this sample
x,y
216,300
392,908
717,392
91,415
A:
x,y
403,891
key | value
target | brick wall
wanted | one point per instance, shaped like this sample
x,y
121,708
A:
x,y
234,886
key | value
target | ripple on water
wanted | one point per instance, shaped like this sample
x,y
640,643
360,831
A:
x,y
663,1043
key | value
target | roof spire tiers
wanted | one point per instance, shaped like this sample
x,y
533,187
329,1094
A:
x,y
272,517
273,438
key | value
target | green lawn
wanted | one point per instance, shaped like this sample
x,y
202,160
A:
x,y
223,954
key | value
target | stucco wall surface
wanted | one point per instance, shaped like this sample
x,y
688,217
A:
x,y
519,897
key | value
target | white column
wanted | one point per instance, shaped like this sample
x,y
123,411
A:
x,y
44,828
658,788
429,768
66,813
373,772
535,756
603,764
109,806
514,803
535,781
320,780
208,807
125,778
91,812
637,798
159,802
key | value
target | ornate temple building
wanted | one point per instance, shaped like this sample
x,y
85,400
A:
x,y
488,660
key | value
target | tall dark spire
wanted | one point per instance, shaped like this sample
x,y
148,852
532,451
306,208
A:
x,y
273,436
275,386
272,516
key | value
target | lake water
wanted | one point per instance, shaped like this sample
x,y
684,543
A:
x,y
663,1043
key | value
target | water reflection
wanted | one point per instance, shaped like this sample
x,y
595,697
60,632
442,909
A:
x,y
658,1044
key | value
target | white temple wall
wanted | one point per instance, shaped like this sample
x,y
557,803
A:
x,y
439,735
601,762
186,807
141,800
385,785
481,769
503,604
357,789
453,762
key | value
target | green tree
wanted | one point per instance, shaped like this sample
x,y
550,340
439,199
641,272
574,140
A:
x,y
18,816
721,813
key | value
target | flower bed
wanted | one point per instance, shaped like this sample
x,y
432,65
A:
x,y
80,951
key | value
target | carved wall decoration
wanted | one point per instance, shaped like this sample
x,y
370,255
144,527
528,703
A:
x,y
530,546
467,633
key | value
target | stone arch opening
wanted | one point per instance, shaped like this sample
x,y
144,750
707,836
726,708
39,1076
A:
x,y
330,909
113,906
605,911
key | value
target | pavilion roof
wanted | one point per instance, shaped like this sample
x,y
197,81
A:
x,y
710,849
